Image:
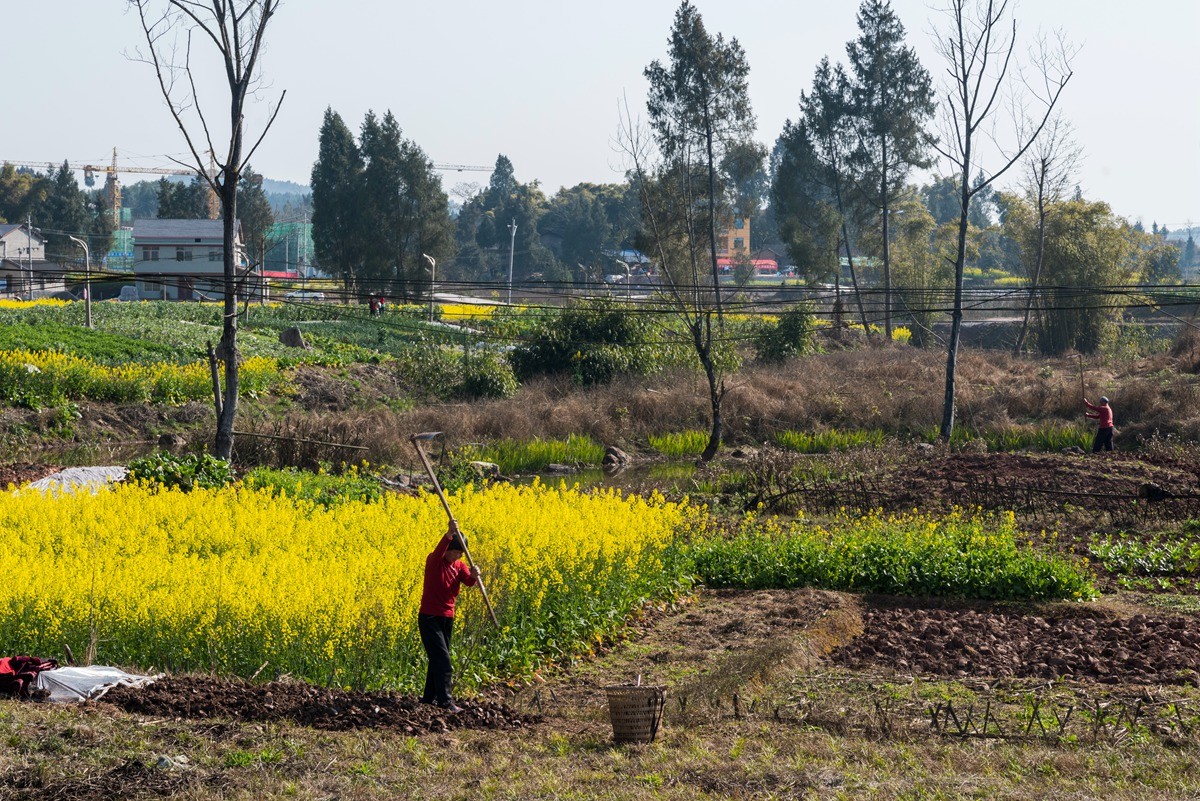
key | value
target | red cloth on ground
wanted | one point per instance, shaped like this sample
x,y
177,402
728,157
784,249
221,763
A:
x,y
1103,416
442,581
18,672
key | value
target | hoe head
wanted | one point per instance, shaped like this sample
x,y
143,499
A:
x,y
427,436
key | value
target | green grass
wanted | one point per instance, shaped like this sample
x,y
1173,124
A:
x,y
679,444
958,555
828,441
1046,437
534,456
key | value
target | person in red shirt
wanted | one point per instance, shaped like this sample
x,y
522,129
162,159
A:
x,y
1104,418
445,573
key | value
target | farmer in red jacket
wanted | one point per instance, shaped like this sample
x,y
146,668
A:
x,y
1104,417
444,574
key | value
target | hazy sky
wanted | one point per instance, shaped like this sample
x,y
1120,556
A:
x,y
542,80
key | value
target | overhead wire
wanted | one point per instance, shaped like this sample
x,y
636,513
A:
x,y
1136,297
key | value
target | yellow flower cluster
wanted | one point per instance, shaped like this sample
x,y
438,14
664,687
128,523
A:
x,y
29,304
50,376
234,578
467,311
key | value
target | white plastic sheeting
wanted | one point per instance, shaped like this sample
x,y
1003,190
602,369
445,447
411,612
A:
x,y
74,478
86,683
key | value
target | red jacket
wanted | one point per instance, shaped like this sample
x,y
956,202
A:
x,y
1103,414
442,581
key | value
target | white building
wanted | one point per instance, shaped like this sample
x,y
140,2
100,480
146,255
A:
x,y
182,259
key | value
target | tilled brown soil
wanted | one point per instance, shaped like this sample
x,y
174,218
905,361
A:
x,y
24,472
203,697
1031,484
1077,643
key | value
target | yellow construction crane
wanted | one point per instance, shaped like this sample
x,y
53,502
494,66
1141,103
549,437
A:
x,y
112,184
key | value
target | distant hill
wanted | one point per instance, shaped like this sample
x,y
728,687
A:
x,y
271,187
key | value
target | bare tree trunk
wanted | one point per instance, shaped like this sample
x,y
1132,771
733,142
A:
x,y
712,216
956,317
702,339
862,312
887,248
223,447
236,29
1037,276
978,50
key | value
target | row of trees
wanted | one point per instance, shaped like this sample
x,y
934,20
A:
x,y
58,207
838,180
838,174
379,209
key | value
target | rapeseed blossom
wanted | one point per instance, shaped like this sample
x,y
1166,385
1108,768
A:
x,y
232,579
51,376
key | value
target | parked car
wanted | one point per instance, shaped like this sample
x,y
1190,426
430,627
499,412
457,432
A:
x,y
305,294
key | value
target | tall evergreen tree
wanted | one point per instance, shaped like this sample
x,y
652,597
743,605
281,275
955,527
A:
x,y
699,105
485,234
379,142
805,207
256,217
893,102
335,181
425,227
405,211
63,213
829,123
182,201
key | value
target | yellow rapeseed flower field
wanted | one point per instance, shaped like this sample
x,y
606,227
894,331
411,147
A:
x,y
29,304
43,376
467,311
232,579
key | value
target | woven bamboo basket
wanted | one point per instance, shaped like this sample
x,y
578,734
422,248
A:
x,y
635,711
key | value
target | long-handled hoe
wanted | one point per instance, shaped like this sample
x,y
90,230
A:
x,y
416,440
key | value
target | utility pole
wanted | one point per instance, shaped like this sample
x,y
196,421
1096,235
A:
x,y
29,250
512,246
87,282
432,280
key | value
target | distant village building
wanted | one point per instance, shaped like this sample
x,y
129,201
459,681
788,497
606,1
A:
x,y
733,249
182,259
24,271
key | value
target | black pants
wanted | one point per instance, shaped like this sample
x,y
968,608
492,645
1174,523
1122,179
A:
x,y
435,636
1103,439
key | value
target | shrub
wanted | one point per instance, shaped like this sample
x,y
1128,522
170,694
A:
x,y
790,336
166,470
430,370
488,374
594,342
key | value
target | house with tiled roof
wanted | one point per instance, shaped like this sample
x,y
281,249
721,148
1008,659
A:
x,y
182,259
24,271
